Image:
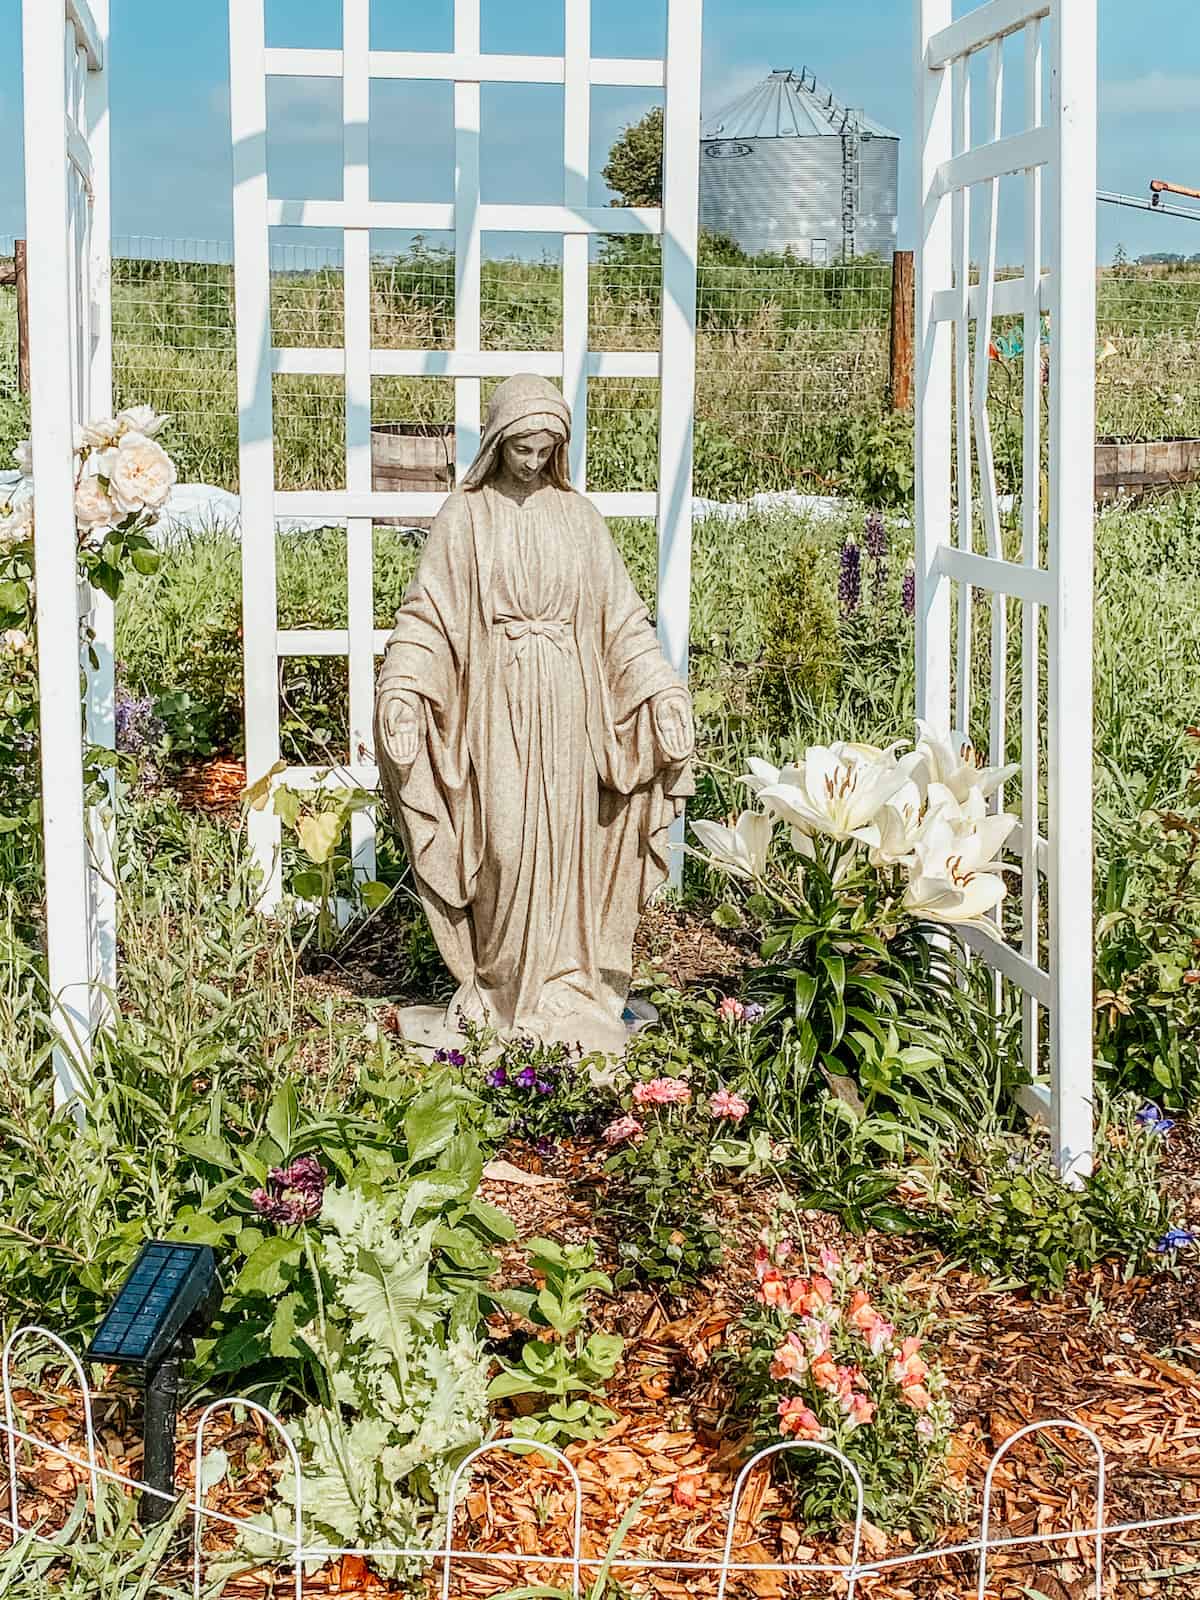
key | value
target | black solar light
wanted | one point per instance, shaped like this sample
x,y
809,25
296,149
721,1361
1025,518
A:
x,y
171,1294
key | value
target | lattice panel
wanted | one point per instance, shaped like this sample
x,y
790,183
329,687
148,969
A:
x,y
671,363
65,84
971,549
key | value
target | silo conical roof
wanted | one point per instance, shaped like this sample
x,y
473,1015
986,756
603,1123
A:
x,y
790,105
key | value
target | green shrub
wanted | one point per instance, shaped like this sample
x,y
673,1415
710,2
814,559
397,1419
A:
x,y
801,645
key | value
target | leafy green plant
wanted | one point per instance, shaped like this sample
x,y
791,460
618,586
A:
x,y
319,817
401,1364
801,645
569,1364
999,1205
659,1200
1148,953
877,459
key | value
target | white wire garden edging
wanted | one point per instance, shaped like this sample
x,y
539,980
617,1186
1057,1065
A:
x,y
294,1550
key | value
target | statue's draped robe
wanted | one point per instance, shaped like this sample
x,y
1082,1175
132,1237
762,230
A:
x,y
537,811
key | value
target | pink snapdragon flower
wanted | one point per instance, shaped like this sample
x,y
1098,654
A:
x,y
860,1411
731,1010
622,1130
662,1092
875,1329
910,1372
798,1421
789,1360
729,1106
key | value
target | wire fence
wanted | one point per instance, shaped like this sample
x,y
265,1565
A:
x,y
1089,1547
789,356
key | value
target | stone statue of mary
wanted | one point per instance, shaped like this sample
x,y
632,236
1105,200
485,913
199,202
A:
x,y
534,744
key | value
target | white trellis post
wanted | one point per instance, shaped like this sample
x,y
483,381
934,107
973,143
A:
x,y
576,220
67,226
1055,159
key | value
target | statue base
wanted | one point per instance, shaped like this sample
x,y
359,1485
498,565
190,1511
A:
x,y
428,1029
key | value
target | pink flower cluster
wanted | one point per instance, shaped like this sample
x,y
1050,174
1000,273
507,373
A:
x,y
730,1009
662,1092
806,1353
622,1130
729,1106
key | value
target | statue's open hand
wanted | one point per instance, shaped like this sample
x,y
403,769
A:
x,y
400,723
673,724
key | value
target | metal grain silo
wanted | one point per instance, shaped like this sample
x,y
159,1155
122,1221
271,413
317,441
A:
x,y
788,167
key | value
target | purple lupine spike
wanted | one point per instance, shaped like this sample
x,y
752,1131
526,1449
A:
x,y
850,577
908,590
875,536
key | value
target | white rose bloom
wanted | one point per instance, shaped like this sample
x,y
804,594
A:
x,y
16,520
94,509
140,419
97,435
140,473
23,456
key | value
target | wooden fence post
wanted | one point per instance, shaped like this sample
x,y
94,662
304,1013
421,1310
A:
x,y
22,316
900,362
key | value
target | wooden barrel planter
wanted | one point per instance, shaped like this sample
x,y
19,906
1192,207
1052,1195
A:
x,y
413,457
1125,468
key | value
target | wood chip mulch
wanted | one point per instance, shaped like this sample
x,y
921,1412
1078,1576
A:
x,y
1123,1358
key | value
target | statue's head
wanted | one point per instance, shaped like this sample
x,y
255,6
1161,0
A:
x,y
527,455
527,431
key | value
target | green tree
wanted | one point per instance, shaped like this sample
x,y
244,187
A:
x,y
635,162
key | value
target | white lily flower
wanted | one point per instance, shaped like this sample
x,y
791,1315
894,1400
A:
x,y
952,760
954,876
900,821
763,775
740,850
837,795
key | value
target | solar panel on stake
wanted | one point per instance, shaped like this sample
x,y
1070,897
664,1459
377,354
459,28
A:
x,y
171,1294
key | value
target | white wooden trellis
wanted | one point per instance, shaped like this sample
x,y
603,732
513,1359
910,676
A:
x,y
67,224
1055,158
255,213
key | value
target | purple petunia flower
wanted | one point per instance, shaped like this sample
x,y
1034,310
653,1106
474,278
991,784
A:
x,y
1152,1118
450,1058
497,1078
1175,1239
526,1078
850,577
753,1012
293,1193
544,1088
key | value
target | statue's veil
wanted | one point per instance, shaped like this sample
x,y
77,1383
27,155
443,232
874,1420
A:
x,y
523,404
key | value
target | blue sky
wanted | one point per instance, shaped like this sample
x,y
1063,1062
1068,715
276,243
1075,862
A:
x,y
171,113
